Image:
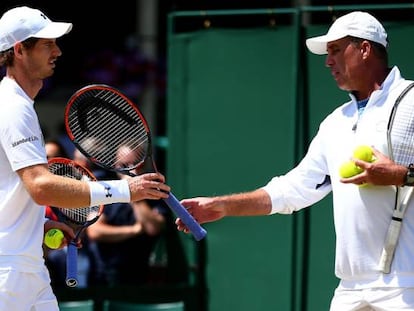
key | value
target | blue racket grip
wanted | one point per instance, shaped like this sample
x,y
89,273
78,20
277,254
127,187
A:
x,y
72,265
181,212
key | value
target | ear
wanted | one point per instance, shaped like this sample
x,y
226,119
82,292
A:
x,y
18,49
365,48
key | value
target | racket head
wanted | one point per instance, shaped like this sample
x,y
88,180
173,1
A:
x,y
109,129
76,217
400,129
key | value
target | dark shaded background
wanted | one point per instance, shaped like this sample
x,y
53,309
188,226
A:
x,y
99,49
101,26
104,45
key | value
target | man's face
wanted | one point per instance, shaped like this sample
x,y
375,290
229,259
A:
x,y
40,59
345,59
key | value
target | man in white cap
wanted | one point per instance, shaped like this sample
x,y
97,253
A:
x,y
356,54
29,51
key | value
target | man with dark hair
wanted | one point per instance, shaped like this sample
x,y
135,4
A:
x,y
29,51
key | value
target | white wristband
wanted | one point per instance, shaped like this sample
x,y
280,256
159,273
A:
x,y
109,191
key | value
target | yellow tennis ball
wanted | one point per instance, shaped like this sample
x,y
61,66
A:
x,y
364,153
54,238
349,169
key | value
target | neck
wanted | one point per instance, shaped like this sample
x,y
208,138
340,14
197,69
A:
x,y
30,87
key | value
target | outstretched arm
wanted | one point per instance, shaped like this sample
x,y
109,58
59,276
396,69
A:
x,y
208,209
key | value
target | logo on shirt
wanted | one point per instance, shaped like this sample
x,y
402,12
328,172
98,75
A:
x,y
108,194
25,140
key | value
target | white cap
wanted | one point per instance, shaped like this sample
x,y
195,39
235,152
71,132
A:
x,y
356,24
18,24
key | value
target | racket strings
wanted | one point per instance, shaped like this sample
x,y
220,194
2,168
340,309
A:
x,y
402,133
103,123
81,215
69,169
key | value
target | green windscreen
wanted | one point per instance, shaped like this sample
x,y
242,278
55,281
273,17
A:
x,y
231,128
234,122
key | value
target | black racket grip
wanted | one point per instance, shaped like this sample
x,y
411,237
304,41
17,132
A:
x,y
181,212
72,265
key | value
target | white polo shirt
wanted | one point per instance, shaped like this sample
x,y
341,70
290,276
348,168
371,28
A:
x,y
361,214
21,145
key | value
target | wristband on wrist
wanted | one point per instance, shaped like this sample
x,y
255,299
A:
x,y
109,191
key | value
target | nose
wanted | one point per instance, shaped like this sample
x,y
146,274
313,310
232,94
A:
x,y
57,50
329,61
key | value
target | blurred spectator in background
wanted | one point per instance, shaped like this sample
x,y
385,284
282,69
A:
x,y
99,172
123,239
125,235
54,148
65,141
127,69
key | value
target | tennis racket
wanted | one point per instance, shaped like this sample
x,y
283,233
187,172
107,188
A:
x,y
109,129
77,218
400,139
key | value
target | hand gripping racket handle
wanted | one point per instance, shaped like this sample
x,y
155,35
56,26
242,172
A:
x,y
72,265
180,211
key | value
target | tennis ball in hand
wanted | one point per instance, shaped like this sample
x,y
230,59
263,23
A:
x,y
364,153
54,238
349,169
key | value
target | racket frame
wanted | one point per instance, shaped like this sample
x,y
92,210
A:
x,y
78,227
146,165
402,199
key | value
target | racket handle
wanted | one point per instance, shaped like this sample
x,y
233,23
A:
x,y
72,265
389,246
181,212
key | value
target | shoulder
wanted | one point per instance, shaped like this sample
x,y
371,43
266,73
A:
x,y
15,108
344,111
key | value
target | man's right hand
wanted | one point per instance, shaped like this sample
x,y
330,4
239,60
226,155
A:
x,y
148,186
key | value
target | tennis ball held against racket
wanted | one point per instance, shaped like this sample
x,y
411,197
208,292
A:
x,y
54,238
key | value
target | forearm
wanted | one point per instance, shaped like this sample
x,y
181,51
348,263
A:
x,y
63,192
207,209
254,203
49,189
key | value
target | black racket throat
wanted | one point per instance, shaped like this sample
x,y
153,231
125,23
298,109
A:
x,y
148,166
65,219
69,221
